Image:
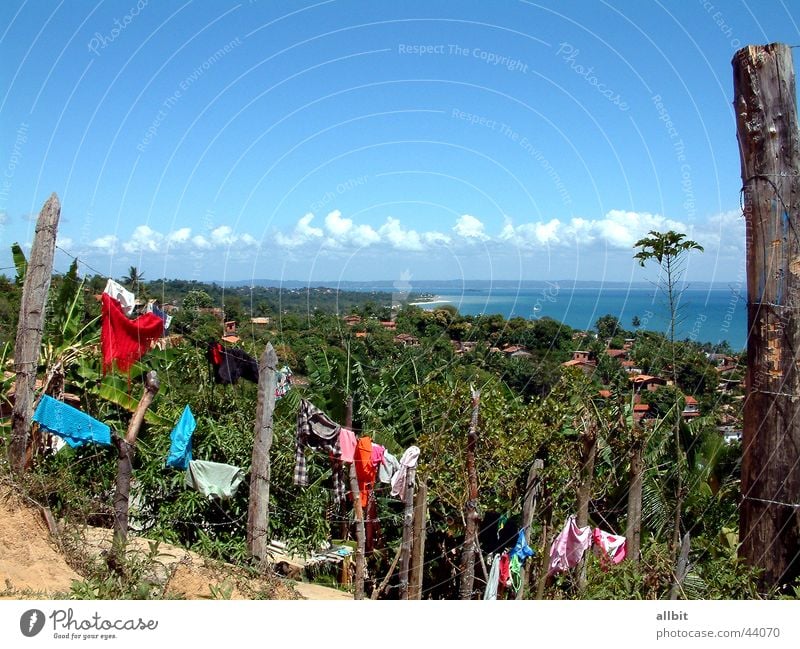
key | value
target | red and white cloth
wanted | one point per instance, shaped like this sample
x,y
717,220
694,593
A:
x,y
609,546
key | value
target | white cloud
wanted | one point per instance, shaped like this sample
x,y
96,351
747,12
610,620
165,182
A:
x,y
223,236
144,239
64,242
108,243
434,238
303,233
248,240
181,235
200,242
469,227
399,238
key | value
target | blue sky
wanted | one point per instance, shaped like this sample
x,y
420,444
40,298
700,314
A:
x,y
344,140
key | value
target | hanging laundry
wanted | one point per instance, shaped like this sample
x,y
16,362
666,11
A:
x,y
377,454
522,550
568,547
180,450
407,461
316,430
166,319
505,571
124,340
126,299
231,364
493,581
283,383
347,443
388,468
76,428
365,470
213,479
608,546
515,569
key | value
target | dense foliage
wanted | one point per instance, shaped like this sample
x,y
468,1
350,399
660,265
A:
x,y
531,407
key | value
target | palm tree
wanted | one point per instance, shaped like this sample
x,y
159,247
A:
x,y
133,279
670,250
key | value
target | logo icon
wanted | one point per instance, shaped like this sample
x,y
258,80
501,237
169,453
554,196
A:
x,y
31,622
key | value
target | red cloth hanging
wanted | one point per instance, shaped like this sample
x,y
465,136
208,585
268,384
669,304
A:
x,y
125,340
365,470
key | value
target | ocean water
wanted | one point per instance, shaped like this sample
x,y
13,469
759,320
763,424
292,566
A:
x,y
706,315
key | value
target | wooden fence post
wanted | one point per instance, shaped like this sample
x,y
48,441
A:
x,y
767,129
418,551
258,508
358,514
38,275
528,507
633,529
471,508
125,448
682,568
408,532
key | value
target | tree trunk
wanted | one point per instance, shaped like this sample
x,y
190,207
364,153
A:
x,y
31,324
547,520
588,456
528,506
682,568
125,448
633,531
767,129
418,551
471,508
258,509
408,533
358,514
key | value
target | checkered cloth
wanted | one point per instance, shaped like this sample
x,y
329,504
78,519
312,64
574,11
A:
x,y
317,431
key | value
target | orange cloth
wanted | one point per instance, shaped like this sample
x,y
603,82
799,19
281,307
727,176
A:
x,y
365,470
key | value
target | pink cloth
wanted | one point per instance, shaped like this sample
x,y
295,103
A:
x,y
609,546
377,454
568,547
347,442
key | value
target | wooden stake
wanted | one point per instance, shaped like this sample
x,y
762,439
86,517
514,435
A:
x,y
376,593
767,130
408,532
471,508
358,514
31,324
258,509
528,507
588,456
125,448
418,550
682,568
633,530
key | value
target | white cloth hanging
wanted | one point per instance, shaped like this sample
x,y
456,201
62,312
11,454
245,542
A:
x,y
126,299
408,461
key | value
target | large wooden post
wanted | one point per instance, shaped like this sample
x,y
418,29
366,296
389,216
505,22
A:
x,y
633,530
418,550
408,532
528,506
358,514
767,130
471,508
258,509
125,448
31,324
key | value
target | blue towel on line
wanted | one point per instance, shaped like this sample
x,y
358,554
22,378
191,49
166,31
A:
x,y
180,451
75,427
